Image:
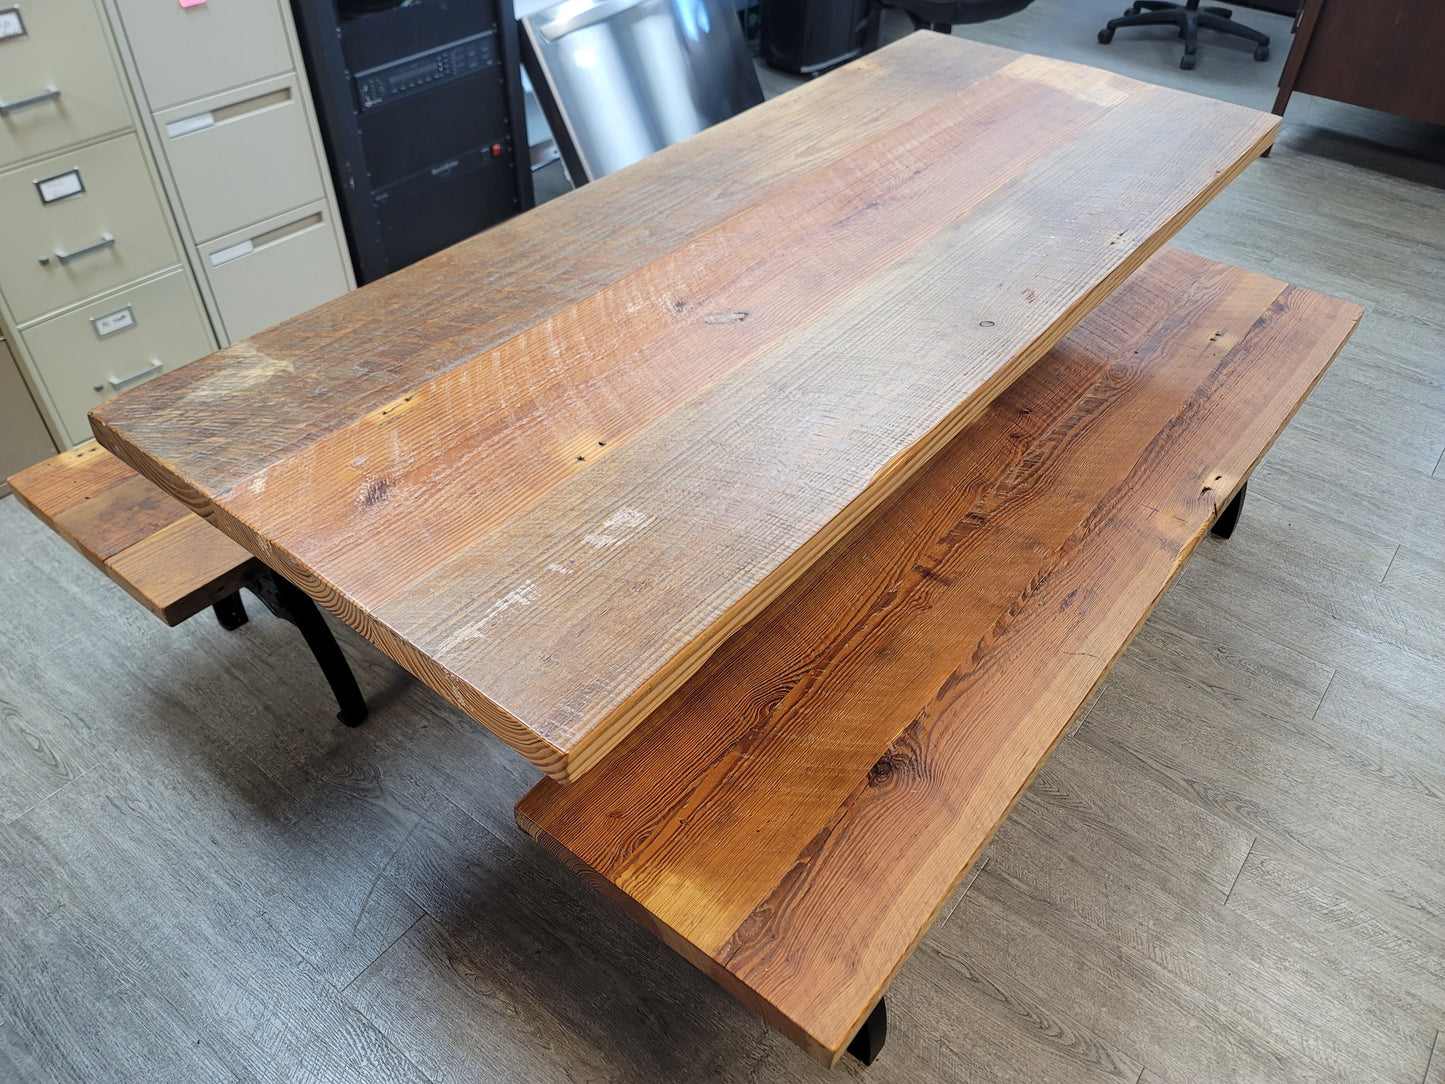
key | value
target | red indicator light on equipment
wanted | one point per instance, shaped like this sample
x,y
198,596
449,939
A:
x,y
496,150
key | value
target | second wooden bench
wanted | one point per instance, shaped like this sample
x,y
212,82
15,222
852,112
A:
x,y
169,559
794,817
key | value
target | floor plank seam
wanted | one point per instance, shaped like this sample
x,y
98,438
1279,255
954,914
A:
x,y
1315,657
385,949
345,1002
382,873
508,841
1088,707
46,800
1316,713
1430,1061
1240,871
1436,472
968,880
1392,562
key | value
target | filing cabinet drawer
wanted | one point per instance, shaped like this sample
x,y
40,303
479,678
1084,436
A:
x,y
182,53
104,226
274,270
57,82
242,156
23,437
114,343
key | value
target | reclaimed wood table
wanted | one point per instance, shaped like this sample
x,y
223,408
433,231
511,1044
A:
x,y
552,469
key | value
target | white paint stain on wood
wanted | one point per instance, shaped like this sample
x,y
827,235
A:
x,y
524,595
618,527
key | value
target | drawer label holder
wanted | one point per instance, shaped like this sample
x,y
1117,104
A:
x,y
111,322
61,186
11,25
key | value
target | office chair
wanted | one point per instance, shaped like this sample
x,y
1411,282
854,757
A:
x,y
1188,17
940,15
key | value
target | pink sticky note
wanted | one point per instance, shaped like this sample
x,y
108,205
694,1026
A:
x,y
190,3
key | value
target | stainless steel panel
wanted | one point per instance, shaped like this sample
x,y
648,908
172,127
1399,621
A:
x,y
620,79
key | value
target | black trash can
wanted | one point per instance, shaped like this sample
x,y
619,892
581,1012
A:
x,y
806,37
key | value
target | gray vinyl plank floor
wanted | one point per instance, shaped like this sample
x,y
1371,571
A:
x,y
1232,870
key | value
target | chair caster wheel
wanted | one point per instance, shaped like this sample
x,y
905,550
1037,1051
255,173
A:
x,y
1261,52
1187,61
1105,36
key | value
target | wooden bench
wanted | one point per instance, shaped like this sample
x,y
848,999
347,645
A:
x,y
793,818
167,558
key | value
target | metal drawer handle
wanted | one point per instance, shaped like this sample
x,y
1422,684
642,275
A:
x,y
50,94
118,382
105,242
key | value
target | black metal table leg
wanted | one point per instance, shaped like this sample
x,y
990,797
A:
x,y
1224,525
288,602
231,611
870,1037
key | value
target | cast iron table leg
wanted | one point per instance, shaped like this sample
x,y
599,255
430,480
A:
x,y
231,612
869,1040
288,602
1224,525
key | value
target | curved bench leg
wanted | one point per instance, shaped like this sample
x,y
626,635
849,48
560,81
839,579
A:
x,y
230,611
1224,525
288,602
870,1037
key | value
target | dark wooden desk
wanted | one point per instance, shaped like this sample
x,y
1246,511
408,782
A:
x,y
1387,55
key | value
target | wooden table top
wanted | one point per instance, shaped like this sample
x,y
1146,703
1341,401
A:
x,y
552,468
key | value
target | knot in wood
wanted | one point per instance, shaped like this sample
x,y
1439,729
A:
x,y
881,772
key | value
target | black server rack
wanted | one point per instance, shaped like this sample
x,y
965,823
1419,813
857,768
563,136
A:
x,y
809,37
420,103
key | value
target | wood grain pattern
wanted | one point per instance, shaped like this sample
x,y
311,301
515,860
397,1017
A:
x,y
793,817
1014,992
360,352
556,532
170,560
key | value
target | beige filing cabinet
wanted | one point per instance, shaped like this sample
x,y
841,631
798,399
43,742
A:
x,y
163,191
95,295
229,116
23,437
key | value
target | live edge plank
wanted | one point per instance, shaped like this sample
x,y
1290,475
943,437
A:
x,y
792,818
